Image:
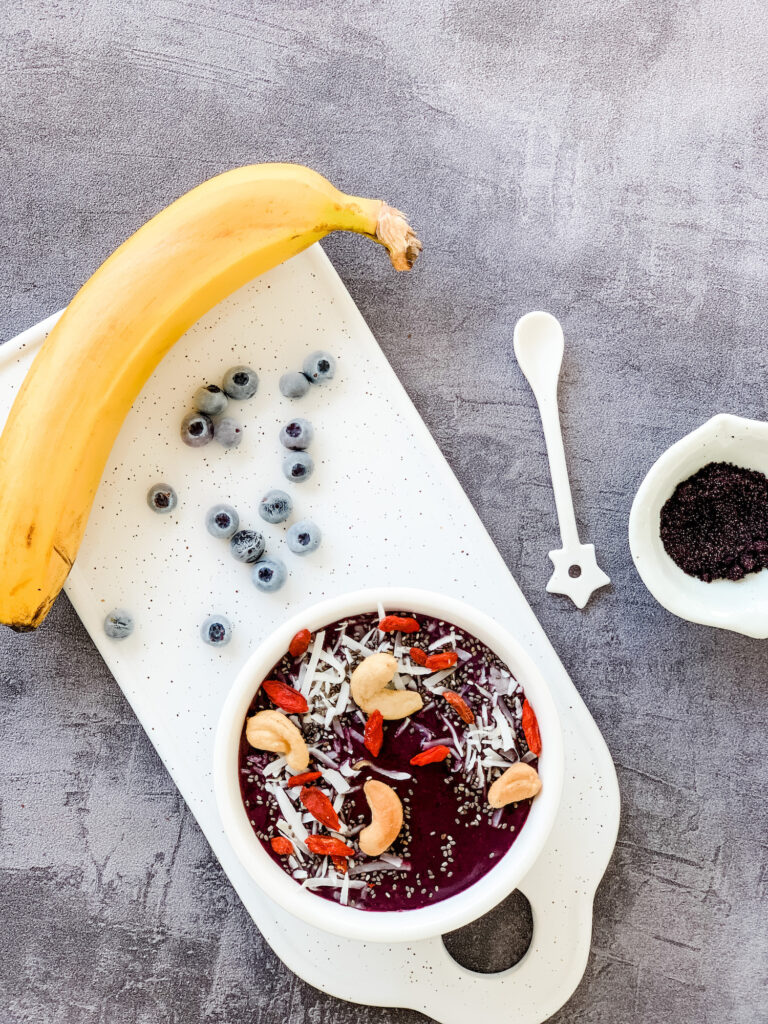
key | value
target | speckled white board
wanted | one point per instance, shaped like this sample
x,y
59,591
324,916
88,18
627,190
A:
x,y
392,513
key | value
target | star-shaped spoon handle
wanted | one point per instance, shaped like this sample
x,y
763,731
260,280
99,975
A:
x,y
539,348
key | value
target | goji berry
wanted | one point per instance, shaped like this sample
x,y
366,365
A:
x,y
340,864
281,845
439,661
320,807
438,753
374,733
419,656
531,729
300,643
301,780
285,697
398,623
460,706
328,846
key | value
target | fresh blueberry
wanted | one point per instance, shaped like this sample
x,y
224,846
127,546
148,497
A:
x,y
118,624
294,385
319,367
211,400
216,630
269,574
298,467
241,382
275,507
196,429
297,435
304,537
247,545
227,432
162,498
222,521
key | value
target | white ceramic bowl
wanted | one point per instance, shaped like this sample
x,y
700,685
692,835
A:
x,y
739,606
405,925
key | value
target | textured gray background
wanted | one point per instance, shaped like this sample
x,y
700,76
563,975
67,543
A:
x,y
605,159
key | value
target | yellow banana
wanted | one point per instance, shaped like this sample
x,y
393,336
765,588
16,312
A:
x,y
117,329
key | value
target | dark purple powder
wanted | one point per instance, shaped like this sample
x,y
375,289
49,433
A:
x,y
715,525
451,837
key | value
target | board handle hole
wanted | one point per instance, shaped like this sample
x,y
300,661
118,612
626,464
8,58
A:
x,y
496,941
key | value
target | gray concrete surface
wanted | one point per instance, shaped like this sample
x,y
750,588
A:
x,y
602,159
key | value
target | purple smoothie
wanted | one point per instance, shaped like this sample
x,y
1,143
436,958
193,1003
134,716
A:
x,y
450,837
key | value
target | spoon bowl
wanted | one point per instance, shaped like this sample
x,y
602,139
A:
x,y
539,347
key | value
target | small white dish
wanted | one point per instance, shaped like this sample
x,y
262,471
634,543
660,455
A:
x,y
404,925
742,606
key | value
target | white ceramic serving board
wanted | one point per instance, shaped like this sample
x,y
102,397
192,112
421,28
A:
x,y
392,513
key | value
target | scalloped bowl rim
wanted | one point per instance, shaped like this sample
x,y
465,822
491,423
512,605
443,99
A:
x,y
444,915
742,606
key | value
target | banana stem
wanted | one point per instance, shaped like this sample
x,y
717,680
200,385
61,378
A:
x,y
383,224
395,233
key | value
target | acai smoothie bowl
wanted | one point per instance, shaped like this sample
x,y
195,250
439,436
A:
x,y
389,764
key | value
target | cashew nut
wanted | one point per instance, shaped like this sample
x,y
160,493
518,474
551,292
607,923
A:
x,y
386,818
272,730
371,691
519,782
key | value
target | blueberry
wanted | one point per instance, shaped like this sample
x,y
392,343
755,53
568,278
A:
x,y
269,574
319,367
298,466
227,432
247,546
241,382
216,630
162,498
294,385
304,537
222,521
211,400
118,624
196,429
275,507
297,435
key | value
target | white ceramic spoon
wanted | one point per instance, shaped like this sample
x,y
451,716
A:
x,y
539,350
